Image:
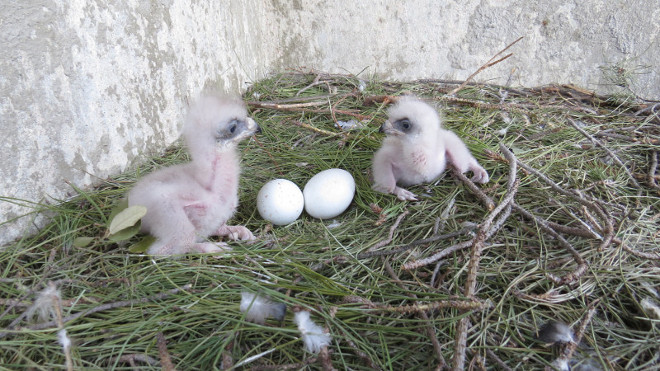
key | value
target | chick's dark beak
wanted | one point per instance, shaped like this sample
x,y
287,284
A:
x,y
254,127
382,127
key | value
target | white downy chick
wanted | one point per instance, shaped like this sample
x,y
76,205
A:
x,y
416,150
312,334
258,308
189,202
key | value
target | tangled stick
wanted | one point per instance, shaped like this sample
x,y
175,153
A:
x,y
491,62
493,224
430,330
570,277
568,350
582,264
609,152
475,257
607,230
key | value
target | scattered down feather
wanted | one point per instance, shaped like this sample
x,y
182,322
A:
x,y
312,334
258,308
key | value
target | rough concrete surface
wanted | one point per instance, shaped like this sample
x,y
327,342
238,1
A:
x,y
89,87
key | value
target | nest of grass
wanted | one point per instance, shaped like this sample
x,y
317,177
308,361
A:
x,y
566,230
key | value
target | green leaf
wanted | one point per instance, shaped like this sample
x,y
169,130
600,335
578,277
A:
x,y
82,241
143,245
126,218
126,233
120,206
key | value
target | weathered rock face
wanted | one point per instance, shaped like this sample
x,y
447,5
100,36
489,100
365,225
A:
x,y
88,87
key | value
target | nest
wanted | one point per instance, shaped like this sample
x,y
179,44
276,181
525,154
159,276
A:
x,y
566,230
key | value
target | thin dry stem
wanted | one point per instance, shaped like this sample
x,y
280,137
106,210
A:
x,y
487,201
654,166
303,107
475,257
165,359
582,264
609,152
391,234
568,350
430,331
491,62
608,229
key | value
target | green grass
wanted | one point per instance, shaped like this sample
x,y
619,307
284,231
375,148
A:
x,y
314,264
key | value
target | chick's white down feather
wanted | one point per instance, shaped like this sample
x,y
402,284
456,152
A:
x,y
43,306
312,334
259,308
189,202
416,150
555,332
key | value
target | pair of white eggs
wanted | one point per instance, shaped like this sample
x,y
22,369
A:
x,y
326,195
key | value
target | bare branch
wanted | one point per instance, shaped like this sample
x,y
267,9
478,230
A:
x,y
491,62
165,360
391,235
483,233
609,152
430,331
652,169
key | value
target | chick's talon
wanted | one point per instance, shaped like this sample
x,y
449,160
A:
x,y
404,194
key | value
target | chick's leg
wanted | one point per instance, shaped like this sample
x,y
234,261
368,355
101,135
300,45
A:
x,y
175,230
209,247
385,181
459,155
404,194
235,232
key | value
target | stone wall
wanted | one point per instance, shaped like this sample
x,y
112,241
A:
x,y
89,87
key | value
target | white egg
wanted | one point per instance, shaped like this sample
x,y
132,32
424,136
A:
x,y
280,201
329,193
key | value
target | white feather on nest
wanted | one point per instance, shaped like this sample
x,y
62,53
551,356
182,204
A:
x,y
258,308
312,334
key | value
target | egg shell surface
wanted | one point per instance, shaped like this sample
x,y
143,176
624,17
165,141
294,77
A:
x,y
328,193
280,201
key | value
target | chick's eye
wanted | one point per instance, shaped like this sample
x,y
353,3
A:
x,y
404,124
233,126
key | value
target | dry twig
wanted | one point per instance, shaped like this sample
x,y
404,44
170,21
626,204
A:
x,y
165,360
609,152
491,62
608,229
652,169
430,331
493,225
391,235
568,350
303,107
475,257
